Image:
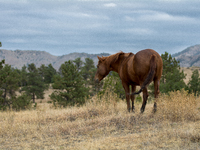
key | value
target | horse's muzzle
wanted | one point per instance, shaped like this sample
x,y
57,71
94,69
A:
x,y
97,80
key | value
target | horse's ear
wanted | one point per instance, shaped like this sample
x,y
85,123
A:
x,y
117,56
101,58
129,54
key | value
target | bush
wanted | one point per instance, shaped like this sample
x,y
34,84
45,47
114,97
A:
x,y
63,99
21,103
113,82
178,106
3,104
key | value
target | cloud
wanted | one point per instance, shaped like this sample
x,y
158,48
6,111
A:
x,y
17,40
139,31
162,16
150,15
97,26
110,5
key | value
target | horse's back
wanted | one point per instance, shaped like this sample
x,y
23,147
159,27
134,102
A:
x,y
145,55
142,63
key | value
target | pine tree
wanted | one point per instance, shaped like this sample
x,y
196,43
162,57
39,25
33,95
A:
x,y
50,72
70,85
8,85
78,62
193,85
172,76
0,44
23,76
88,65
47,73
42,71
94,86
35,85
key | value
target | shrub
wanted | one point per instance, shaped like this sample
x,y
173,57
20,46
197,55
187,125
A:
x,y
22,102
178,106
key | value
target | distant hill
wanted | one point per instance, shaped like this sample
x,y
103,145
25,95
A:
x,y
189,57
18,58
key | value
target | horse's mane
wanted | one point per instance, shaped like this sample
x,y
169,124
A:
x,y
113,58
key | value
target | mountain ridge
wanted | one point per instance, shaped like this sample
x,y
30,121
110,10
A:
x,y
189,57
19,58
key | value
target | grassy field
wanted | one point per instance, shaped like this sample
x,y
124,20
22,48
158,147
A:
x,y
105,124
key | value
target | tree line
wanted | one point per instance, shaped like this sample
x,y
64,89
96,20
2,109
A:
x,y
74,82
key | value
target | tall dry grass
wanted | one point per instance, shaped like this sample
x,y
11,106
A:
x,y
105,124
178,106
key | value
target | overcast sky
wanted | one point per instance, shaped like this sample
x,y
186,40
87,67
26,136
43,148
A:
x,y
63,26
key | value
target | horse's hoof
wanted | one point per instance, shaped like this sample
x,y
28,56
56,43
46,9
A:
x,y
154,111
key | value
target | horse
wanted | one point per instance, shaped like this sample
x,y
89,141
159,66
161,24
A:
x,y
138,69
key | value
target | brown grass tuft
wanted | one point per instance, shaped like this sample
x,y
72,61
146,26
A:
x,y
178,106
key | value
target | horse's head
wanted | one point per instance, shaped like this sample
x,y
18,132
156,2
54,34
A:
x,y
103,69
110,63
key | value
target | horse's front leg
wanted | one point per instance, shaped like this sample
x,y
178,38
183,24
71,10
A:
x,y
127,92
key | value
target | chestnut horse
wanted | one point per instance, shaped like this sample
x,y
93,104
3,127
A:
x,y
138,69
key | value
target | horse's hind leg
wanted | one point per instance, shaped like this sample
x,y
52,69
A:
x,y
156,92
145,96
133,97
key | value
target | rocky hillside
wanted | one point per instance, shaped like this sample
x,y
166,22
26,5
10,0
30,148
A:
x,y
18,58
189,57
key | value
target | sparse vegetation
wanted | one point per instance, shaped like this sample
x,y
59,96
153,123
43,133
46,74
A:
x,y
105,124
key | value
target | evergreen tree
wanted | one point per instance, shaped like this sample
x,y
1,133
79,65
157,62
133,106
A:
x,y
172,76
173,81
35,85
78,62
88,65
8,85
70,85
1,63
0,44
21,102
50,72
194,83
42,71
23,76
1,92
47,73
94,86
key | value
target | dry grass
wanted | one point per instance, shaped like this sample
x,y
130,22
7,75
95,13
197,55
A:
x,y
105,124
188,71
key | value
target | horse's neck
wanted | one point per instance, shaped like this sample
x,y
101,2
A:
x,y
116,66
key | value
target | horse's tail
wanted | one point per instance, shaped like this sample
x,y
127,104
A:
x,y
150,74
